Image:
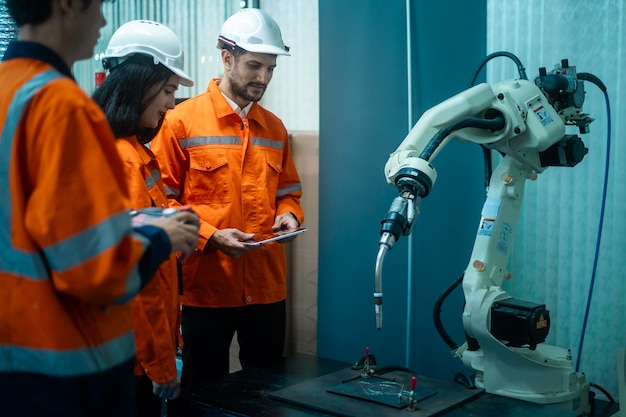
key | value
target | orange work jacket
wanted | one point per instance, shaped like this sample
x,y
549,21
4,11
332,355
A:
x,y
156,307
68,253
235,174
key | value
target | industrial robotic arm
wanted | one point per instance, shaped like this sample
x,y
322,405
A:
x,y
525,122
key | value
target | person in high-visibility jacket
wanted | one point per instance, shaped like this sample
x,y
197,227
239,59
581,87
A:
x,y
70,259
229,158
144,60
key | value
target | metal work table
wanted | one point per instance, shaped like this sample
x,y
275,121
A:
x,y
297,387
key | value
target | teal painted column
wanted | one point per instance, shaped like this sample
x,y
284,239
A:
x,y
364,102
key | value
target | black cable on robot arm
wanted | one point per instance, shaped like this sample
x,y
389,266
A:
x,y
437,314
603,391
520,67
487,167
494,124
585,76
522,74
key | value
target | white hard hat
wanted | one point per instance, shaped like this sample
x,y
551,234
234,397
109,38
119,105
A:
x,y
148,38
253,30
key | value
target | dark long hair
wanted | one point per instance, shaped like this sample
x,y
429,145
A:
x,y
122,95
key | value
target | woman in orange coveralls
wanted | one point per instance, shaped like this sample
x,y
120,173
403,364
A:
x,y
145,63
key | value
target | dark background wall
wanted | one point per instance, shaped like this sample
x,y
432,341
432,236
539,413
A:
x,y
364,105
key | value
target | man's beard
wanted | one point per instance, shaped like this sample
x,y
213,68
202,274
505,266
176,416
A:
x,y
241,90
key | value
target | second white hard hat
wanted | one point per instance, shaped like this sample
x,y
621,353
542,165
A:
x,y
148,38
253,30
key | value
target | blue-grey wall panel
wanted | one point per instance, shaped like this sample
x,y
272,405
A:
x,y
364,117
363,114
448,45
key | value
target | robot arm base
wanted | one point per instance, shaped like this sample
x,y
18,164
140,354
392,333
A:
x,y
542,376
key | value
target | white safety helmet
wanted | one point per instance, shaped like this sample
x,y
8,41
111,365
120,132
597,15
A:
x,y
252,30
148,38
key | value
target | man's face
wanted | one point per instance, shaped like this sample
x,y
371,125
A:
x,y
87,24
250,75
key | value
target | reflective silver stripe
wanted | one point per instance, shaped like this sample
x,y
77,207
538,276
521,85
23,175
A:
x,y
88,243
153,178
228,140
172,192
68,362
209,140
276,144
24,264
133,285
281,192
133,280
12,260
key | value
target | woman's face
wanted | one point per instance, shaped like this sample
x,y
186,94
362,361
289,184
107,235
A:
x,y
164,99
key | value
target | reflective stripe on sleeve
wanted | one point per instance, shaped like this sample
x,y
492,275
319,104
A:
x,y
281,192
88,243
133,281
12,260
28,265
68,362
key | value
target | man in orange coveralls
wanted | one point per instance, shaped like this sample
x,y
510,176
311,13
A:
x,y
229,158
69,258
145,64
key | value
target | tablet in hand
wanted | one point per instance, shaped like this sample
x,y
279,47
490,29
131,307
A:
x,y
261,238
